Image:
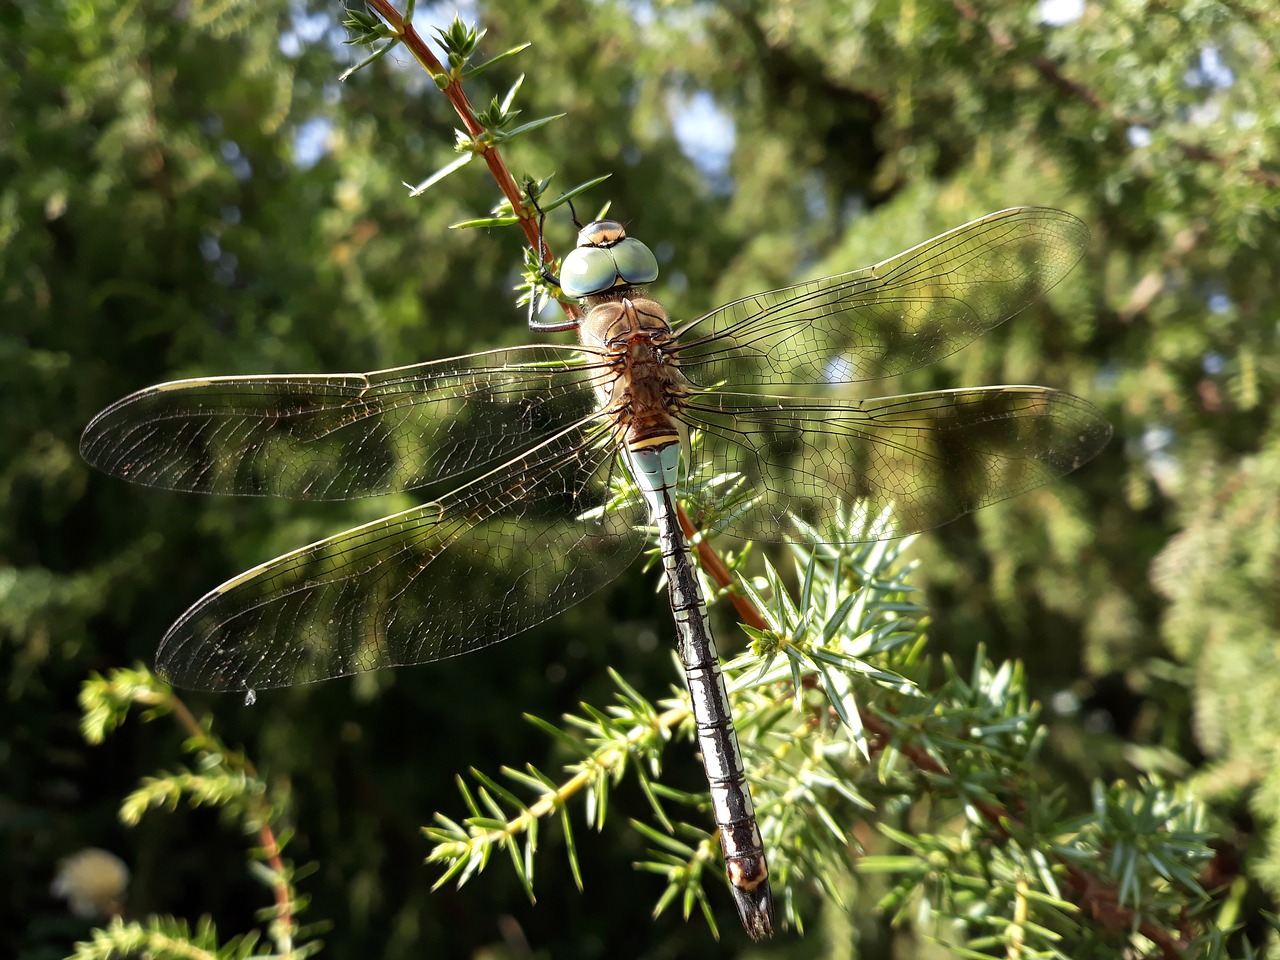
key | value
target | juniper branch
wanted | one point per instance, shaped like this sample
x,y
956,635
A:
x,y
228,778
482,141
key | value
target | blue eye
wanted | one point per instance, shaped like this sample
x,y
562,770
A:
x,y
587,271
590,270
635,262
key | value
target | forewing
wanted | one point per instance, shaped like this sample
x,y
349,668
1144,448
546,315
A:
x,y
928,457
884,320
480,564
330,437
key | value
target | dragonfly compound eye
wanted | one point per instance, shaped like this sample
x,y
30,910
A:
x,y
588,271
592,270
636,262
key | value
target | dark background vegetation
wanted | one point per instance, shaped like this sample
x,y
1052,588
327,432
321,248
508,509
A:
x,y
186,189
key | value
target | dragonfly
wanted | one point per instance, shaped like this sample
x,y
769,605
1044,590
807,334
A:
x,y
516,454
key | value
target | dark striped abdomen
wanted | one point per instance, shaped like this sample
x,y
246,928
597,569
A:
x,y
721,756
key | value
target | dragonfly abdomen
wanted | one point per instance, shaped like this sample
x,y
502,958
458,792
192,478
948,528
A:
x,y
656,467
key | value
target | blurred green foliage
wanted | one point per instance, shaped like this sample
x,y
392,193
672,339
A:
x,y
185,189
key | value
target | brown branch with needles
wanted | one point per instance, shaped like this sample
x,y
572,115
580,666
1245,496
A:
x,y
1098,899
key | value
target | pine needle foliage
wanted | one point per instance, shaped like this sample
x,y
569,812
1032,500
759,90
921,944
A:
x,y
1146,119
877,768
219,777
868,775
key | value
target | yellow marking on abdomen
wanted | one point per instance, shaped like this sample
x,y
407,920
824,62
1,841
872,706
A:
x,y
653,442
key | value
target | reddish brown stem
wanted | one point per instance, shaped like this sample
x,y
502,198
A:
x,y
714,566
480,139
266,835
271,850
1099,899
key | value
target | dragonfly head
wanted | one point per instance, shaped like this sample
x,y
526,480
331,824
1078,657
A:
x,y
604,260
601,233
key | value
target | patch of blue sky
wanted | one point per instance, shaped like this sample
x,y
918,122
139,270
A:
x,y
308,27
687,19
1206,113
1058,13
814,196
839,369
1219,302
428,18
238,162
706,135
1156,445
210,248
643,13
305,28
1138,136
1065,703
1107,376
676,283
311,141
1211,71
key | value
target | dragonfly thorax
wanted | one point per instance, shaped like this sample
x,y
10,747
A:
x,y
613,322
640,383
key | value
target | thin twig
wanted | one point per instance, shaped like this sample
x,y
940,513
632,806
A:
x,y
553,800
712,563
1098,898
482,142
266,834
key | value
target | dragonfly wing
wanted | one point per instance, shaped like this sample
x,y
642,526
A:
x,y
929,457
476,566
895,316
330,437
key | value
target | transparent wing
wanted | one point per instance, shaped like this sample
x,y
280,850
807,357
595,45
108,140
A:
x,y
330,437
476,566
930,457
884,320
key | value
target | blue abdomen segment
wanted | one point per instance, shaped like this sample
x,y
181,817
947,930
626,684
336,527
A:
x,y
656,467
